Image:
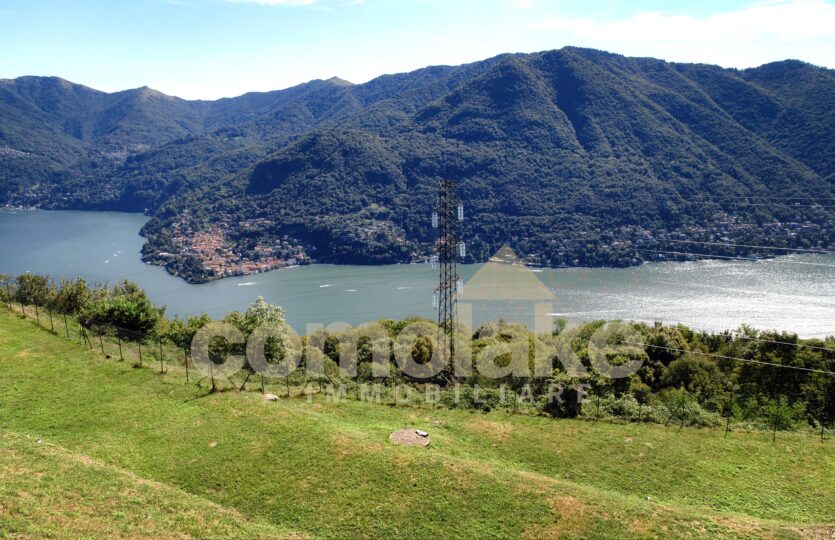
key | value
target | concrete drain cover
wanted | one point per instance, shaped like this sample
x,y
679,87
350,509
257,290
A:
x,y
410,437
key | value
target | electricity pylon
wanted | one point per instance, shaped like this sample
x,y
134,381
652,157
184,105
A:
x,y
448,214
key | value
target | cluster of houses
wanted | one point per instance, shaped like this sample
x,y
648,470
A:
x,y
220,258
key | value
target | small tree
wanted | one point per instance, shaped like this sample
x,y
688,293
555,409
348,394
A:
x,y
698,375
681,404
642,393
782,416
33,289
127,307
559,326
181,332
71,296
261,313
5,292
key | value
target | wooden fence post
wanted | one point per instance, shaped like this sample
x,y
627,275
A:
x,y
730,412
119,339
774,419
139,343
86,337
161,362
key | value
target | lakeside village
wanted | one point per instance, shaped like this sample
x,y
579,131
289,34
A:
x,y
220,257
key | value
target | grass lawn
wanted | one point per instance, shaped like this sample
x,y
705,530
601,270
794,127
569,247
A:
x,y
130,452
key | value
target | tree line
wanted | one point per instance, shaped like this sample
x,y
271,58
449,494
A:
x,y
748,378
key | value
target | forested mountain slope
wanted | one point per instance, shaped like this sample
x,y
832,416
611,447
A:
x,y
572,156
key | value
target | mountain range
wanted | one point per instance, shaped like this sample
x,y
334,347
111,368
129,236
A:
x,y
571,157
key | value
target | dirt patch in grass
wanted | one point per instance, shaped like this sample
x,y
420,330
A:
x,y
345,445
571,509
460,476
404,460
496,431
640,526
570,520
738,526
817,532
87,460
342,444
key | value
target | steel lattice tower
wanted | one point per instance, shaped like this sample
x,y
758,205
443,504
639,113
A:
x,y
448,247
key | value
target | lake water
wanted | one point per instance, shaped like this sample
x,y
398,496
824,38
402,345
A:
x,y
794,293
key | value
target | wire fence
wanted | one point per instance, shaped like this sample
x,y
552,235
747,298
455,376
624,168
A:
x,y
162,354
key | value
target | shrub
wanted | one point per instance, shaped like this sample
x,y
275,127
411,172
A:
x,y
33,289
127,308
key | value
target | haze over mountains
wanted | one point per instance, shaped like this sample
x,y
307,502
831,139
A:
x,y
572,156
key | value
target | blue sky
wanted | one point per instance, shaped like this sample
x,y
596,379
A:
x,y
214,48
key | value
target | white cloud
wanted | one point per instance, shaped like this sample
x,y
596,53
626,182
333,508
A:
x,y
290,3
746,37
750,36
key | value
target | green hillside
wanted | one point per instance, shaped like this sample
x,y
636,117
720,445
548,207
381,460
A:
x,y
48,491
127,452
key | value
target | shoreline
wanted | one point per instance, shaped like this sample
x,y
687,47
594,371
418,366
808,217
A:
x,y
748,254
533,268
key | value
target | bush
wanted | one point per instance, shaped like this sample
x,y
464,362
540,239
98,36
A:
x,y
33,289
71,296
127,308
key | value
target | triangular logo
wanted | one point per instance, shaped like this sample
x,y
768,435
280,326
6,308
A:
x,y
505,277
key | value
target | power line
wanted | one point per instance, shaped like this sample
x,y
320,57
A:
x,y
737,335
775,342
760,197
724,357
710,256
800,250
725,244
772,205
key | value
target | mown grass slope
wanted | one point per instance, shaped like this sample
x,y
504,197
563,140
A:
x,y
141,453
47,491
